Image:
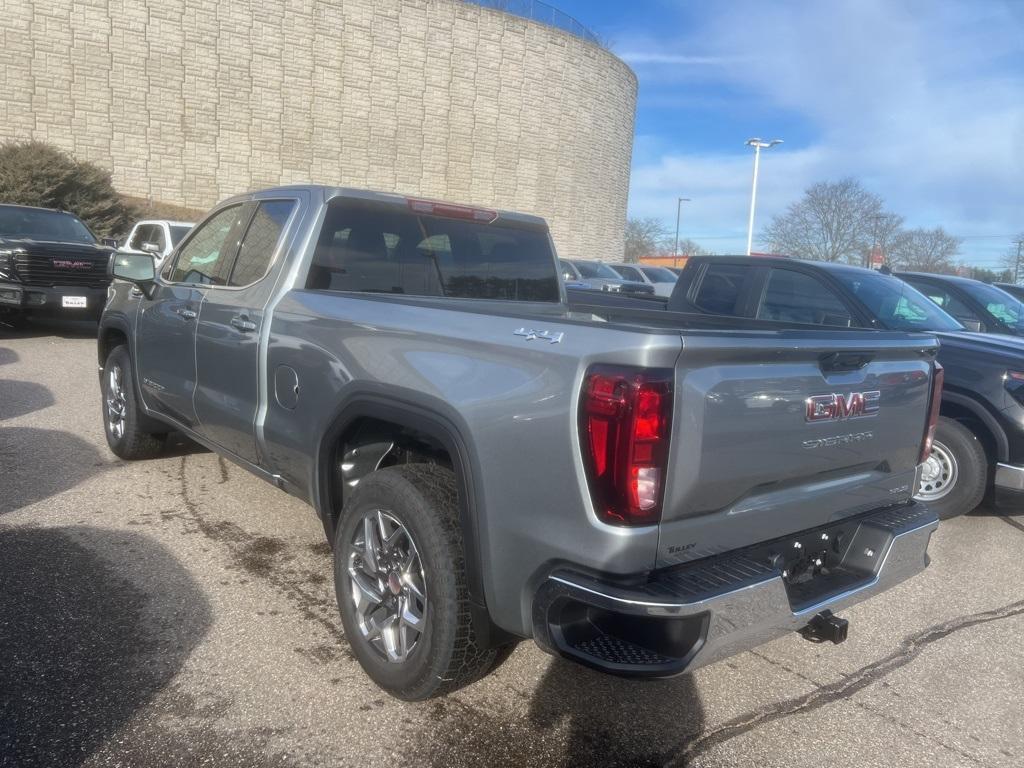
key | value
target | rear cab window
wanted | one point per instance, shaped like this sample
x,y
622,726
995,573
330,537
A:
x,y
370,247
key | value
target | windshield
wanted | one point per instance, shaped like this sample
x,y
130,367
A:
x,y
177,233
998,303
659,274
596,269
18,223
896,305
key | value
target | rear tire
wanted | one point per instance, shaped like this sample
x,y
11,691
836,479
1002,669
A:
x,y
123,422
956,472
420,568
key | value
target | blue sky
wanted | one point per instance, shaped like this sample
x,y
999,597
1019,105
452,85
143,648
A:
x,y
922,101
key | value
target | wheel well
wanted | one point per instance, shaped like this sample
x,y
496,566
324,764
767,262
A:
x,y
967,417
369,444
110,338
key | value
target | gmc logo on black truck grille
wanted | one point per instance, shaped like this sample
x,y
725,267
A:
x,y
68,264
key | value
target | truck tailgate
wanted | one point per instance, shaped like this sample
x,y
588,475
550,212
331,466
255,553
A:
x,y
780,432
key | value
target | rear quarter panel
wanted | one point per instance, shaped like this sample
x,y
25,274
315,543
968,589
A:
x,y
512,400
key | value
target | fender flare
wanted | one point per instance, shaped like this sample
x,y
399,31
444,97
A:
x,y
979,411
441,423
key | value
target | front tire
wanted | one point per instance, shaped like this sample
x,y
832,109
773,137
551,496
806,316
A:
x,y
122,420
400,580
955,474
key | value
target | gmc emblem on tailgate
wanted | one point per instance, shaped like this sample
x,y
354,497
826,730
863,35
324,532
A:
x,y
837,407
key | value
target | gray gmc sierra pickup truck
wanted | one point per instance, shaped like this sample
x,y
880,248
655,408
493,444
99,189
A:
x,y
641,491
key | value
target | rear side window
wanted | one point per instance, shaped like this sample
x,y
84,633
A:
x,y
378,248
793,297
260,241
721,288
953,305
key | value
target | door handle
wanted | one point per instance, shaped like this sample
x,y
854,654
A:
x,y
243,323
187,314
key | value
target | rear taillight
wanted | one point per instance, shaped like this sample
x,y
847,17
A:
x,y
938,376
625,418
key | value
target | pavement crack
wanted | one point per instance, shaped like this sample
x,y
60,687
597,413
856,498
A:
x,y
909,649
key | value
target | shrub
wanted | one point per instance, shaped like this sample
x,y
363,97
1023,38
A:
x,y
35,173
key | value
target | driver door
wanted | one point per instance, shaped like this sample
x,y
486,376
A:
x,y
165,337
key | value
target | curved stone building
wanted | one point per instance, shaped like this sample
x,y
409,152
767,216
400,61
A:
x,y
189,101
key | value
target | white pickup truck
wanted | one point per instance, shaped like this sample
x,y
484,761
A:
x,y
156,236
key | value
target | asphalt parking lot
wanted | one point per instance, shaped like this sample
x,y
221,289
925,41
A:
x,y
180,612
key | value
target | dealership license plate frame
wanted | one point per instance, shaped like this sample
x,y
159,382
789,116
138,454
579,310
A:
x,y
74,302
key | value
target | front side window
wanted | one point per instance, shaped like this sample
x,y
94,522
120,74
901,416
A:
x,y
207,257
260,241
896,304
381,248
998,303
794,297
950,303
140,236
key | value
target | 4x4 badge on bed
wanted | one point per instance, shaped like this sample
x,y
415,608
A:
x,y
836,407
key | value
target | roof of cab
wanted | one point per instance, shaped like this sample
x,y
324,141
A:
x,y
324,193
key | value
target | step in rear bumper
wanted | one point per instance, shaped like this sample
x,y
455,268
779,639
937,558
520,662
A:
x,y
682,618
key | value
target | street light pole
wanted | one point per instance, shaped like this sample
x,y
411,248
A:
x,y
679,206
758,145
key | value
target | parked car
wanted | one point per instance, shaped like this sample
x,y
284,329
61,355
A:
x,y
598,276
976,305
659,278
490,464
979,441
1017,291
156,236
50,262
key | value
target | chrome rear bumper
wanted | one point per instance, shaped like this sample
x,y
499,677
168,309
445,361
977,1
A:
x,y
686,617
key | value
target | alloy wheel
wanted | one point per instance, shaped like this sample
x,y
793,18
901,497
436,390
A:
x,y
117,405
388,585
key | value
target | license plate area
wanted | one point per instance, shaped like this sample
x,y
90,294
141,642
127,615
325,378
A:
x,y
819,564
73,302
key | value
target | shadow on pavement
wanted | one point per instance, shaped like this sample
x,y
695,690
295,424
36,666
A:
x,y
50,326
82,648
18,398
576,717
38,463
8,356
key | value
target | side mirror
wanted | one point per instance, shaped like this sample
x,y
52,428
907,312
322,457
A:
x,y
150,248
137,268
110,242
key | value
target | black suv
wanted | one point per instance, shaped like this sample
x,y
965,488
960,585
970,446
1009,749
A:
x,y
50,262
979,442
977,305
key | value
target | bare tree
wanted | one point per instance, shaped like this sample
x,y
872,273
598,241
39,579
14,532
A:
x,y
924,250
644,237
834,221
1013,261
687,247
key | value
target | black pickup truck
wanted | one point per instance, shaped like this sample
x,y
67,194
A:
x,y
979,441
50,262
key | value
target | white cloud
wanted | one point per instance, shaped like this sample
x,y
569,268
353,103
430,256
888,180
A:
x,y
923,102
